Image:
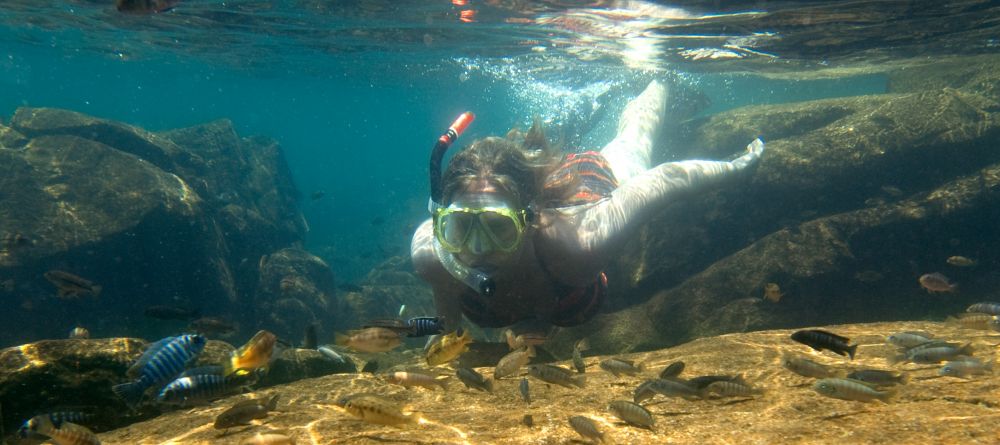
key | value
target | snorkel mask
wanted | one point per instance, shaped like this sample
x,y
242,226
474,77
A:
x,y
453,226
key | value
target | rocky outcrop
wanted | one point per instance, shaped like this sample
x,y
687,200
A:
x,y
77,375
296,290
927,409
175,218
854,198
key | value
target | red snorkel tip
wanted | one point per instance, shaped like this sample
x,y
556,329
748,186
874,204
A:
x,y
462,123
457,127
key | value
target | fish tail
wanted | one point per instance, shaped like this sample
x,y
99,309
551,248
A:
x,y
966,349
904,378
886,396
130,392
96,290
851,350
272,403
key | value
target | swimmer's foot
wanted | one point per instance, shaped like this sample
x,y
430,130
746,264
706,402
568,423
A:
x,y
754,151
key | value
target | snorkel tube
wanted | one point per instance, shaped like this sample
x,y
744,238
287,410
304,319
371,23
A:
x,y
476,279
443,143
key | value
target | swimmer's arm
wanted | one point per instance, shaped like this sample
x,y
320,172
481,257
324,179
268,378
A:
x,y
425,262
609,223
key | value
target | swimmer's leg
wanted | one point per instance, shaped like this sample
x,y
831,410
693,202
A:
x,y
629,152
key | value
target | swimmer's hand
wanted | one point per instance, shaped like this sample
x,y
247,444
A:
x,y
754,150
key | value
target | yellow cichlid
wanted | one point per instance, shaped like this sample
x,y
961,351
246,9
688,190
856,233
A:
x,y
448,348
255,354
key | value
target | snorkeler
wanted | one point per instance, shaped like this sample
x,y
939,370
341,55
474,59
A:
x,y
519,231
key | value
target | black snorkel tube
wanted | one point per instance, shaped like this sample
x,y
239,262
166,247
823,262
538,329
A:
x,y
474,278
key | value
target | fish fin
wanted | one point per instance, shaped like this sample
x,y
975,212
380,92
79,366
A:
x,y
272,403
509,337
851,350
96,290
130,392
966,349
582,345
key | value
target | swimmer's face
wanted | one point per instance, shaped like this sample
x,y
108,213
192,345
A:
x,y
479,250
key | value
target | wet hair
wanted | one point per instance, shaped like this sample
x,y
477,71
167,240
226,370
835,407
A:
x,y
516,163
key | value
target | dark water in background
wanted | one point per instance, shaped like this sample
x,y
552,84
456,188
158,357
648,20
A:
x,y
356,92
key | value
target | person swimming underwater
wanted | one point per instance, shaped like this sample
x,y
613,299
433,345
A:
x,y
519,231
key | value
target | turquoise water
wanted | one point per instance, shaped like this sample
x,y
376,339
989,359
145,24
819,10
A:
x,y
357,128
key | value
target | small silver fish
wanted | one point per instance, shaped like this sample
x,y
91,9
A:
x,y
671,388
966,368
806,368
909,339
402,309
733,389
972,320
879,377
961,261
525,390
578,348
329,353
936,354
672,370
474,380
557,375
936,282
985,308
586,427
847,389
411,379
632,413
79,332
511,363
618,366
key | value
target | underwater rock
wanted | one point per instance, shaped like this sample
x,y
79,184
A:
x,y
927,409
296,290
821,258
134,210
891,183
388,287
52,374
296,364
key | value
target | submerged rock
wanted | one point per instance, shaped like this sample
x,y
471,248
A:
x,y
787,410
886,185
296,290
171,218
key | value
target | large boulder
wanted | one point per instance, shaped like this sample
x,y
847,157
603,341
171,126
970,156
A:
x,y
296,290
175,218
853,200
